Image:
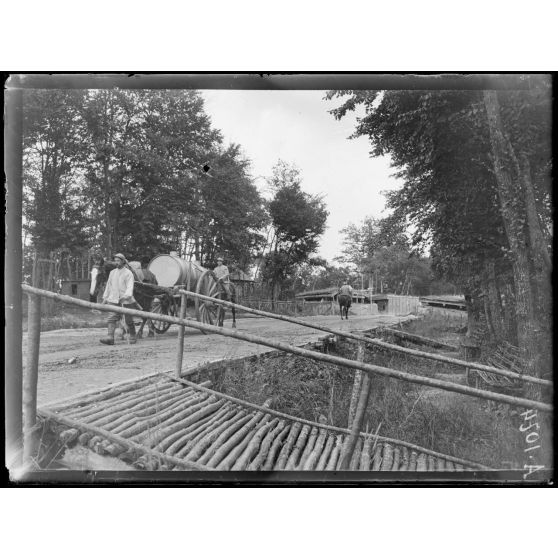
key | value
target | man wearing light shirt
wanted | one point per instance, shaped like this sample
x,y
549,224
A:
x,y
222,274
119,292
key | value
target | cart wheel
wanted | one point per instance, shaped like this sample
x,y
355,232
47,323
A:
x,y
208,312
165,306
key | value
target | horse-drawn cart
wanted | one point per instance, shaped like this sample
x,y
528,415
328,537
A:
x,y
174,273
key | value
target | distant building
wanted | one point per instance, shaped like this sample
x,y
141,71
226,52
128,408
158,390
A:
x,y
78,288
359,297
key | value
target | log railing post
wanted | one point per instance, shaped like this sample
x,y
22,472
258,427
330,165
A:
x,y
30,379
180,343
357,383
356,426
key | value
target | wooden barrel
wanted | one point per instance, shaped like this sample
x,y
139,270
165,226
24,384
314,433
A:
x,y
171,270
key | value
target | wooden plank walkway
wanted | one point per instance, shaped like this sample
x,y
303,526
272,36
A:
x,y
166,423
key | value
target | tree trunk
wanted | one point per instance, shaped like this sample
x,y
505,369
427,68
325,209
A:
x,y
494,303
516,217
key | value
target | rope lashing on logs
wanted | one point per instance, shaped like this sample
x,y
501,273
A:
x,y
368,368
379,343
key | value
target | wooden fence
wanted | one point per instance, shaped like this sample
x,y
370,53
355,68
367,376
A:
x,y
399,305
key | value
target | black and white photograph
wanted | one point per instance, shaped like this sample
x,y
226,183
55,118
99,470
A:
x,y
278,278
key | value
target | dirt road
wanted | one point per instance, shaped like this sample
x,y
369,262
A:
x,y
99,365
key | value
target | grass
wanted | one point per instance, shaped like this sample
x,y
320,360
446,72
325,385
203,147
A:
x,y
443,421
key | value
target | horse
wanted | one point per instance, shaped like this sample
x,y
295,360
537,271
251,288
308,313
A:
x,y
344,305
99,277
229,294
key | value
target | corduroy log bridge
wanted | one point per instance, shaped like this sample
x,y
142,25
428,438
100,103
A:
x,y
165,422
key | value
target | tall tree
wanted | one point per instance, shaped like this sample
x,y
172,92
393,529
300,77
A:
x,y
453,149
53,151
298,220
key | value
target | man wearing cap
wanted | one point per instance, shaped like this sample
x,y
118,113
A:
x,y
119,292
222,274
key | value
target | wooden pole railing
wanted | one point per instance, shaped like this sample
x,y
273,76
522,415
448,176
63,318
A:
x,y
30,378
339,361
383,344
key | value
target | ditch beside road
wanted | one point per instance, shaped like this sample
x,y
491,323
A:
x,y
73,360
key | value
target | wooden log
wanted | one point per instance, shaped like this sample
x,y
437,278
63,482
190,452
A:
x,y
365,454
121,419
207,444
225,435
308,448
30,441
449,466
287,447
183,419
310,462
225,456
139,426
128,398
84,438
141,405
355,459
69,436
369,368
180,339
404,459
357,382
422,462
387,458
396,459
171,415
334,457
420,340
120,402
377,457
86,398
194,431
351,440
191,419
151,406
128,444
277,444
297,449
151,414
114,449
253,445
326,453
186,438
258,459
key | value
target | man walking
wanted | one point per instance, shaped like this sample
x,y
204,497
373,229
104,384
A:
x,y
119,292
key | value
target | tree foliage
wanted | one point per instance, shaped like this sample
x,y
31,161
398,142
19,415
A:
x,y
138,171
475,166
298,220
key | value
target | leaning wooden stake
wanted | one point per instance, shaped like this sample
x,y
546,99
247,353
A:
x,y
30,379
351,439
356,386
180,343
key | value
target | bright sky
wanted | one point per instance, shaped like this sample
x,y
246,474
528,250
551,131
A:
x,y
295,126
